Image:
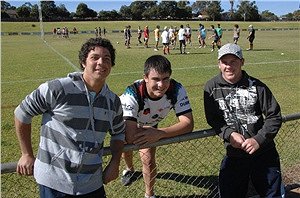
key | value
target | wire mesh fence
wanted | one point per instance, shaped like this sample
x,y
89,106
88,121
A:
x,y
187,166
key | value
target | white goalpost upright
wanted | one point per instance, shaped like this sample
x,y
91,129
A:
x,y
41,19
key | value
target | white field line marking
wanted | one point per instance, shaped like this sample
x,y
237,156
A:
x,y
174,69
212,66
66,59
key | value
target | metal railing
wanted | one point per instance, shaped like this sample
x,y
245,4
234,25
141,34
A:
x,y
188,166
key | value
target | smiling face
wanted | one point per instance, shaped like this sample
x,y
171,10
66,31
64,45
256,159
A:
x,y
157,84
231,68
97,66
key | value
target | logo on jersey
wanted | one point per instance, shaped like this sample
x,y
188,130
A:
x,y
127,107
146,111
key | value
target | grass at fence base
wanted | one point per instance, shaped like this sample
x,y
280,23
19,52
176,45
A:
x,y
27,62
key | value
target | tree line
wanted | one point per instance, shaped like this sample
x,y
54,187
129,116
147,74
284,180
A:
x,y
146,10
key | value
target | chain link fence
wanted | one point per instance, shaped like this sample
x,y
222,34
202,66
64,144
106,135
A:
x,y
187,166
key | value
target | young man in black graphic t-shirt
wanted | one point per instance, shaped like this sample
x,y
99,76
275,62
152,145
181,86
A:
x,y
244,113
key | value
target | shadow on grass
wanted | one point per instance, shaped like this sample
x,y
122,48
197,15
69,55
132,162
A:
x,y
206,182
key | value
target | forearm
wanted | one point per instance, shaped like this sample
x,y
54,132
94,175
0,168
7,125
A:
x,y
23,132
111,171
185,125
176,129
116,147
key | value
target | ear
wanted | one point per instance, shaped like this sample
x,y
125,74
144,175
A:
x,y
243,61
83,65
145,77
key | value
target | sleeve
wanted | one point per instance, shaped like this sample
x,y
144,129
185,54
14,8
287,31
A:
x,y
272,115
214,115
182,105
36,103
129,105
118,131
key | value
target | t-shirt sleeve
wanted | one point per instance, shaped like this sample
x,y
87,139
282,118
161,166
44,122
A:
x,y
182,105
129,106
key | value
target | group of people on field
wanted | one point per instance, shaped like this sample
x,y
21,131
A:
x,y
63,32
169,36
98,32
79,110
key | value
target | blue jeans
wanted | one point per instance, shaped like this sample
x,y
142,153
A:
x,y
262,170
46,192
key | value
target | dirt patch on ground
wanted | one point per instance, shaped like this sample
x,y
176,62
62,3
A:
x,y
291,178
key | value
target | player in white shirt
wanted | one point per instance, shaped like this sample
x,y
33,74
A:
x,y
145,103
165,38
188,32
181,38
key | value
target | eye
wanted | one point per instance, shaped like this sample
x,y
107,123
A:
x,y
166,80
95,58
107,59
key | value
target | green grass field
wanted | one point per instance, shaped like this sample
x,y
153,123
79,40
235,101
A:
x,y
27,62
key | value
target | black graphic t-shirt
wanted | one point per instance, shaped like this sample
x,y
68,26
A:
x,y
247,107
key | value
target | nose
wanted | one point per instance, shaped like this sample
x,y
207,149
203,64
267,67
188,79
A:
x,y
100,61
159,83
227,65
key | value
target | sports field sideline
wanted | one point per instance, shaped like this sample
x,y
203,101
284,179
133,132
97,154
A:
x,y
27,61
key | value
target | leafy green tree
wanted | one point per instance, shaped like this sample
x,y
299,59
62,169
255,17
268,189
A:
x,y
49,10
214,10
34,12
182,4
62,11
295,16
167,9
247,11
125,12
138,7
4,15
109,15
184,11
6,6
151,13
199,6
24,11
83,11
268,16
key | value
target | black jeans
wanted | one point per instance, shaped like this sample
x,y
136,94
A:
x,y
263,171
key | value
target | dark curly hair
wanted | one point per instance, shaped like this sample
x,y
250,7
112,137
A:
x,y
90,44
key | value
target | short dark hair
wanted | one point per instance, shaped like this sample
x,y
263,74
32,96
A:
x,y
159,63
90,44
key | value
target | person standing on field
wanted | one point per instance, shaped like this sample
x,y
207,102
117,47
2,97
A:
x,y
251,37
139,33
188,34
216,38
236,33
145,103
202,35
220,34
245,114
156,37
165,40
146,36
182,40
77,113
